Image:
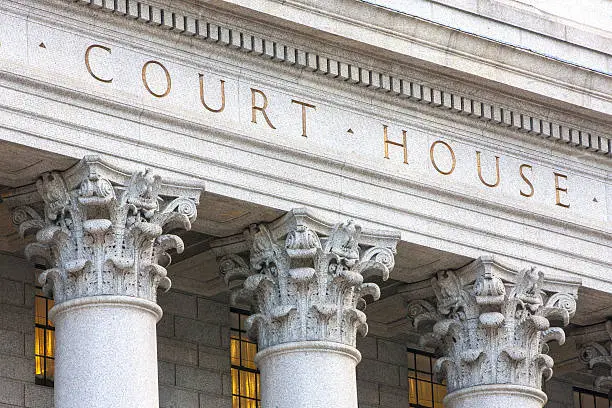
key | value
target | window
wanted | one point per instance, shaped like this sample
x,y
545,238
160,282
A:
x,y
44,340
245,375
590,399
422,390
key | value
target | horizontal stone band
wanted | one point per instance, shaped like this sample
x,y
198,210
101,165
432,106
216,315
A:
x,y
306,346
106,301
231,37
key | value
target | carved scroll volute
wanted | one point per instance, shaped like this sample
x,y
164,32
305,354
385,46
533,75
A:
x,y
307,286
489,330
598,357
103,233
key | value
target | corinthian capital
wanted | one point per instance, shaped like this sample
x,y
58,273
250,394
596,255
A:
x,y
103,232
599,355
491,324
305,279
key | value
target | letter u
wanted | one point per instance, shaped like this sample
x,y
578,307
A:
x,y
222,95
497,177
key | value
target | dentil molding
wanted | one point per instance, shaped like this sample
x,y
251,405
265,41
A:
x,y
101,231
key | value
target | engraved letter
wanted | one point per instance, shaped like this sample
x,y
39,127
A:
x,y
523,166
497,179
146,84
388,142
91,47
558,189
304,106
433,160
262,109
222,95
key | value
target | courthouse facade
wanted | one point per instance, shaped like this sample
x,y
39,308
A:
x,y
304,204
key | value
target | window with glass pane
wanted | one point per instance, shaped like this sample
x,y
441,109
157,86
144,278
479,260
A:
x,y
245,376
44,340
423,391
590,399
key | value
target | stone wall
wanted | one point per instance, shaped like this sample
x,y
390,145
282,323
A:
x,y
193,352
194,358
17,388
382,375
560,393
193,346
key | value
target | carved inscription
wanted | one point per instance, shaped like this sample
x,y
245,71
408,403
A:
x,y
264,111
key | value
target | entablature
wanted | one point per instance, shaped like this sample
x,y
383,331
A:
x,y
339,171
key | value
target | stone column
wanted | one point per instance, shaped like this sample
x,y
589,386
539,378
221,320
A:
x,y
305,282
491,325
598,357
102,234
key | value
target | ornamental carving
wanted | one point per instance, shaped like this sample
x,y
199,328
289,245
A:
x,y
102,232
308,285
489,329
599,355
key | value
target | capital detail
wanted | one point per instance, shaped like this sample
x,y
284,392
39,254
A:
x,y
598,355
305,281
104,232
492,325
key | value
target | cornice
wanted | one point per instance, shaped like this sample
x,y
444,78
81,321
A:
x,y
205,29
433,51
515,23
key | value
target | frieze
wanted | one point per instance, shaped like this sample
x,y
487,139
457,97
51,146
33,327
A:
x,y
157,80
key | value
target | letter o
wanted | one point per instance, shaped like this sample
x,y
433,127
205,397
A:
x,y
146,84
433,160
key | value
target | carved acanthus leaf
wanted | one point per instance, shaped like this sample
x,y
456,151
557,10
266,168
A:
x,y
306,286
103,237
599,355
232,267
491,331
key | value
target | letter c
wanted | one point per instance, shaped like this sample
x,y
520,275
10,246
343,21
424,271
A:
x,y
91,47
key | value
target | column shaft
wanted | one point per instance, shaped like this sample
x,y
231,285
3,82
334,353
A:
x,y
106,353
313,374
